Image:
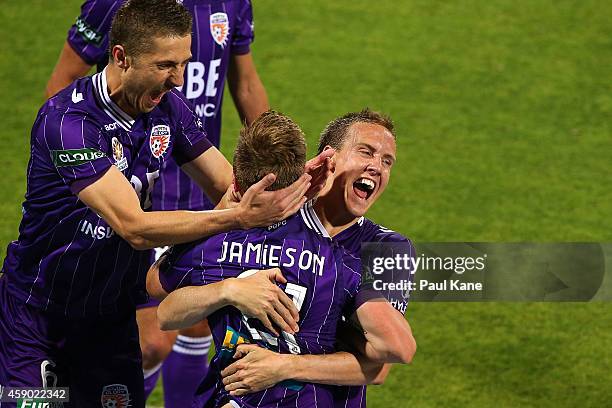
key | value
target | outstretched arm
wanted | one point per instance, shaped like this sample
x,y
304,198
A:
x,y
114,199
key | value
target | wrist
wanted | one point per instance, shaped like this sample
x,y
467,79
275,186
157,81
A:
x,y
228,287
289,367
239,218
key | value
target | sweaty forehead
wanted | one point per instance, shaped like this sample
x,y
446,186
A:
x,y
371,134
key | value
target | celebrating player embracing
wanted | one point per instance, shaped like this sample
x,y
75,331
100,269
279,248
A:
x,y
72,278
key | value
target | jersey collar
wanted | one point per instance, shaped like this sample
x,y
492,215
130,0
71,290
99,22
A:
x,y
349,230
123,119
311,219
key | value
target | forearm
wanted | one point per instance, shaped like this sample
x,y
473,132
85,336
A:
x,y
251,100
161,228
186,306
69,67
341,368
247,90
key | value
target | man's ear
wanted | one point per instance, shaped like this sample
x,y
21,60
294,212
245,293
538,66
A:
x,y
120,57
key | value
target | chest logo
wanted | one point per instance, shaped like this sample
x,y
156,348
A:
x,y
159,140
120,160
219,28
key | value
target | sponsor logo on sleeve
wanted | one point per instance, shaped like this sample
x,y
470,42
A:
x,y
76,96
90,35
75,157
219,28
120,160
159,140
115,396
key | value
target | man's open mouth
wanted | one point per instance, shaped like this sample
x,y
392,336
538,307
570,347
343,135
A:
x,y
364,187
156,97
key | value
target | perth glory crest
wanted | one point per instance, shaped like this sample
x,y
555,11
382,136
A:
x,y
219,28
115,396
159,140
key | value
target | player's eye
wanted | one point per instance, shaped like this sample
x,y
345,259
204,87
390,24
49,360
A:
x,y
365,152
164,66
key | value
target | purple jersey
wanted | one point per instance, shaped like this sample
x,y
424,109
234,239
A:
x,y
322,279
351,239
220,29
67,259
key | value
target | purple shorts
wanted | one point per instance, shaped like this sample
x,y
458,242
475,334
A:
x,y
98,359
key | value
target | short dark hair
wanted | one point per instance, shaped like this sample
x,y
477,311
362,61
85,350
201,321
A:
x,y
273,143
137,22
335,132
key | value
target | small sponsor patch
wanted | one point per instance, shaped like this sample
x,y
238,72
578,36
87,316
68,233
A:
x,y
219,28
115,396
76,96
159,140
120,160
75,157
90,35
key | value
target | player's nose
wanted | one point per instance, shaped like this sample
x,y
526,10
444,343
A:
x,y
176,78
374,166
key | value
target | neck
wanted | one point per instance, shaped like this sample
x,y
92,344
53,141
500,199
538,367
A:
x,y
116,89
333,218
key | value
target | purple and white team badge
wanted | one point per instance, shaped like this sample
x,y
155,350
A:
x,y
219,28
159,140
115,396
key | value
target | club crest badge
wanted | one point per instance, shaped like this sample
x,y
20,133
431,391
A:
x,y
159,140
219,28
120,160
115,396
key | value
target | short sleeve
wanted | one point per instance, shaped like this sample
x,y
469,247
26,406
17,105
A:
x,y
175,267
190,140
76,148
386,271
244,34
352,282
89,35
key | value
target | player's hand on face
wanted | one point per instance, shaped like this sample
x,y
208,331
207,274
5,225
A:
x,y
258,296
260,208
320,169
255,370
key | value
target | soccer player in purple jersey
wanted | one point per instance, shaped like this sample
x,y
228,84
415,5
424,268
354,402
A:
x,y
322,278
71,280
223,32
365,151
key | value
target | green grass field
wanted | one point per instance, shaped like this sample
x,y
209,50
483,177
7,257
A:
x,y
503,111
